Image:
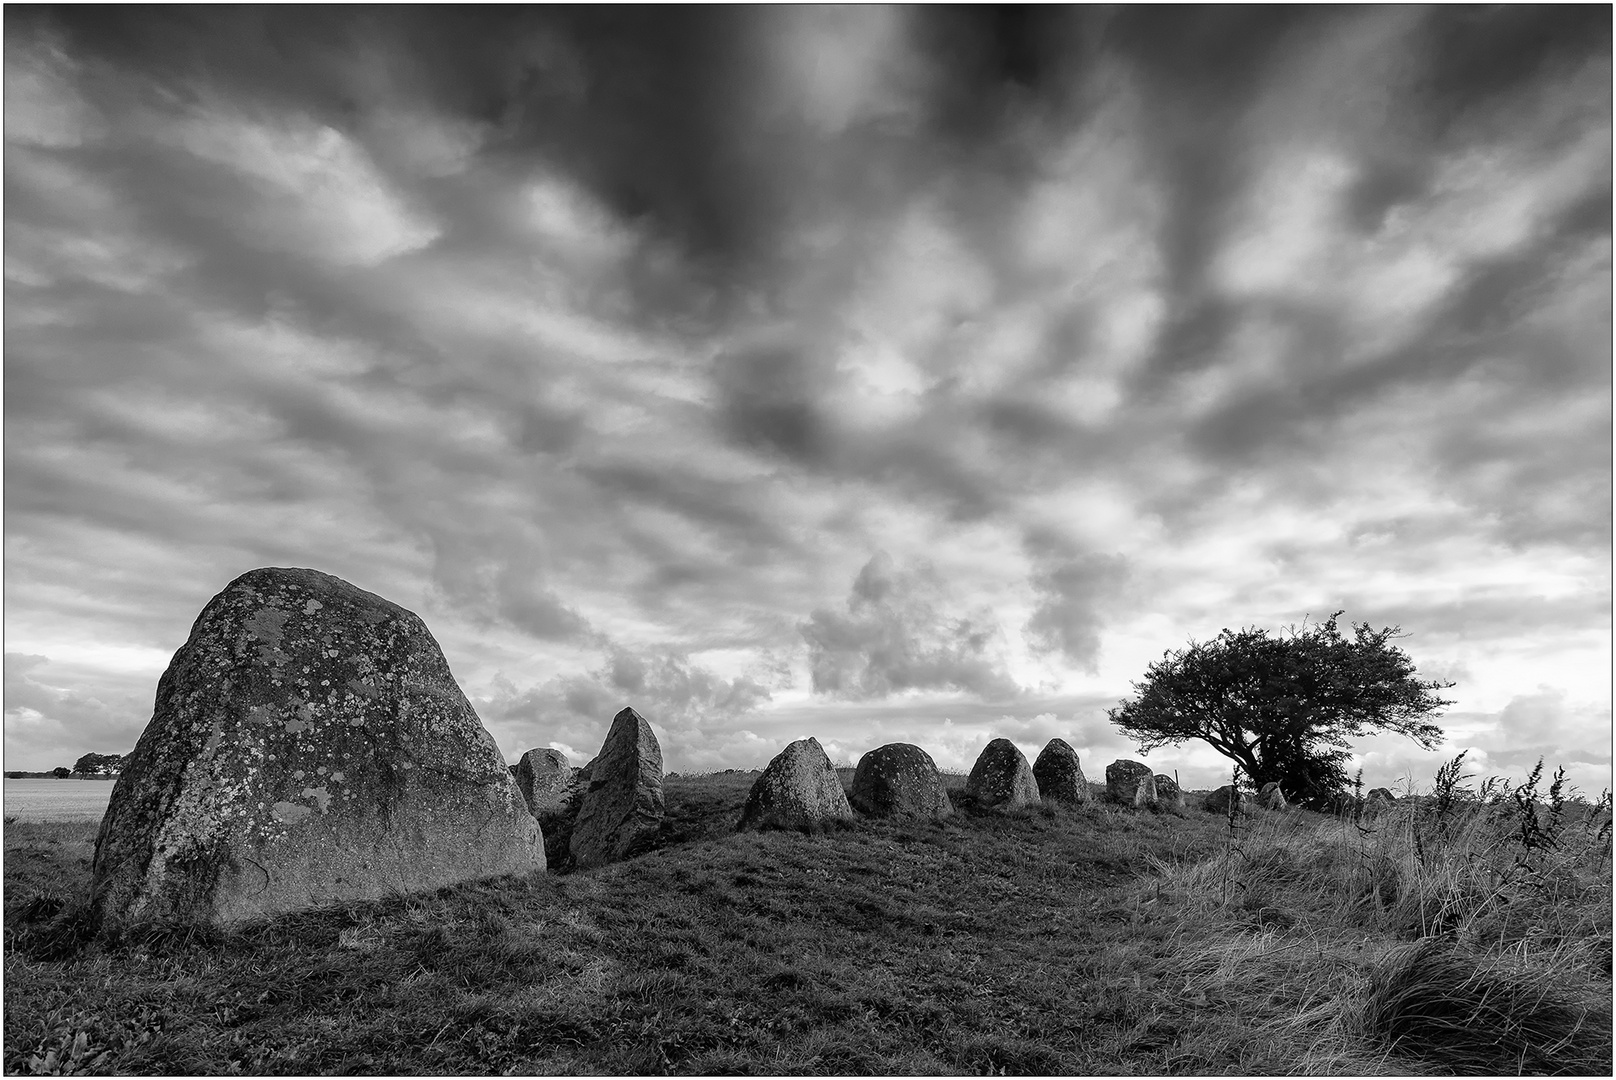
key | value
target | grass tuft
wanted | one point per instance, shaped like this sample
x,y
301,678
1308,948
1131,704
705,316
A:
x,y
1440,1002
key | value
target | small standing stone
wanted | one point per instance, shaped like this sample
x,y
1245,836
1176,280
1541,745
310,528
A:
x,y
1271,797
1145,796
1220,800
545,779
1380,800
1122,780
799,790
620,812
899,779
1001,779
1059,774
1168,795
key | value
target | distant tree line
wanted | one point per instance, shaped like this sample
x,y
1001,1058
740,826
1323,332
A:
x,y
97,765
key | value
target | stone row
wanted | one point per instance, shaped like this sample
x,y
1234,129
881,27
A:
x,y
309,746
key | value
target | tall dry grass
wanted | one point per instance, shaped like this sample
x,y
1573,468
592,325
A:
x,y
1467,928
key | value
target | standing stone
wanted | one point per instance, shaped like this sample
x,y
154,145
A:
x,y
899,779
1059,775
621,810
545,779
1271,797
1145,796
308,746
1122,780
1380,799
1168,795
1225,797
799,790
1001,778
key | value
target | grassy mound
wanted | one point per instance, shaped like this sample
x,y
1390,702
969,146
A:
x,y
1046,940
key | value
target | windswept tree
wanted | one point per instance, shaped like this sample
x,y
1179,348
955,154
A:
x,y
1285,707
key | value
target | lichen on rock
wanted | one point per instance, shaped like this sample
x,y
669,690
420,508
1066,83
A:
x,y
308,745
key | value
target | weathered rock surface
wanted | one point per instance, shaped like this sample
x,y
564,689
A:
x,y
1271,797
1220,800
1168,795
544,778
1144,796
1001,779
899,779
1059,774
1123,779
799,790
621,809
308,746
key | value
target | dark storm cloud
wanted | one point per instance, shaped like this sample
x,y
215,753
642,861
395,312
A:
x,y
894,638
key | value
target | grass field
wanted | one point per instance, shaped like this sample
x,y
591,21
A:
x,y
1446,936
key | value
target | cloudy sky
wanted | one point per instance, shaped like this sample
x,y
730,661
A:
x,y
875,374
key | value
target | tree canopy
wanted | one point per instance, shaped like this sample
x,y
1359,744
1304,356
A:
x,y
1285,707
98,764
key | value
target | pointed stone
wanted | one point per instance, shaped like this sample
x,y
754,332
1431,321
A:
x,y
1379,801
1272,797
1059,774
899,779
1001,779
308,746
798,790
621,810
544,778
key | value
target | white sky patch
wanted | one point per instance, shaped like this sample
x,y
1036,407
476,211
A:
x,y
42,104
1489,200
310,189
564,215
921,282
837,67
475,301
89,232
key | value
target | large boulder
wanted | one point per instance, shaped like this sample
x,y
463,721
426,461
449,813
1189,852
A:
x,y
899,779
1001,779
1123,780
1226,799
545,779
308,746
1168,794
621,810
799,790
1059,775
